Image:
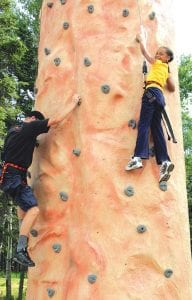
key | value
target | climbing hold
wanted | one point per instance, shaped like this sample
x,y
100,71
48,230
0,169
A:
x,y
50,4
90,8
152,151
125,12
34,232
152,15
29,174
65,25
141,228
92,278
50,292
105,88
57,61
63,196
129,191
163,186
56,248
87,62
47,51
37,143
63,1
76,152
168,273
35,90
132,123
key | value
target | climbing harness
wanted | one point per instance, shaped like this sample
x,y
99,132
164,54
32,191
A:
x,y
169,127
5,165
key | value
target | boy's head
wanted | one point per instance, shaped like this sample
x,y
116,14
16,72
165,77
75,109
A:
x,y
35,115
164,54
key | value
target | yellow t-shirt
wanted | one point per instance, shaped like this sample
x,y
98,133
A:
x,y
159,73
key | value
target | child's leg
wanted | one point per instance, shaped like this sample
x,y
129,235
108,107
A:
x,y
146,114
162,156
28,203
20,214
142,143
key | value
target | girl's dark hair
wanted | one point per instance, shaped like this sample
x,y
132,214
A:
x,y
37,114
169,53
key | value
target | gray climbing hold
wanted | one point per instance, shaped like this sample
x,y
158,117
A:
x,y
37,143
29,174
90,8
57,61
125,12
47,51
152,15
56,248
163,186
87,62
76,151
92,278
65,25
34,232
63,1
132,123
152,151
168,273
35,90
105,88
141,228
63,196
50,4
129,191
50,292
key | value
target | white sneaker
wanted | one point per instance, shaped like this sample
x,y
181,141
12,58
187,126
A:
x,y
165,169
134,163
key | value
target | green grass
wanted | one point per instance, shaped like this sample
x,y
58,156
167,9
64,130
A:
x,y
14,286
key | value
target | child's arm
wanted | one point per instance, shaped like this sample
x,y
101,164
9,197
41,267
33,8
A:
x,y
148,57
170,84
55,121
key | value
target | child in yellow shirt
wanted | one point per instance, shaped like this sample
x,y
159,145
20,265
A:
x,y
150,116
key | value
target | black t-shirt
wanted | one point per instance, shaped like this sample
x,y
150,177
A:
x,y
21,140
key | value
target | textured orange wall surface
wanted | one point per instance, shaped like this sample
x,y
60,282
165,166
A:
x,y
88,246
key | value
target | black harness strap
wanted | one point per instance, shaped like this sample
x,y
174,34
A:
x,y
169,127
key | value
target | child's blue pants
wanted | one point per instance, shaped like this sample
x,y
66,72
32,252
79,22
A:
x,y
150,118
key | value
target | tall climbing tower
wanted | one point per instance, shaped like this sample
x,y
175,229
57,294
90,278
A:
x,y
104,234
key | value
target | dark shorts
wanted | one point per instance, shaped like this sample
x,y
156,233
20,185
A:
x,y
15,185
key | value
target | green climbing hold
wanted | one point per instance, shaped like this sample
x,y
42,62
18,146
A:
x,y
141,228
57,61
152,15
34,232
129,191
76,151
47,51
163,186
105,88
90,8
56,248
87,62
63,196
63,1
92,278
50,292
168,273
65,25
125,12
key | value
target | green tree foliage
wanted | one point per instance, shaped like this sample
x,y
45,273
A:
x,y
185,80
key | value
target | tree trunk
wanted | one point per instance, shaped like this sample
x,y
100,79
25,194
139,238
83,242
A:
x,y
9,251
103,233
21,283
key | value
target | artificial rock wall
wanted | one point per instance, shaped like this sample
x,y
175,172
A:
x,y
103,233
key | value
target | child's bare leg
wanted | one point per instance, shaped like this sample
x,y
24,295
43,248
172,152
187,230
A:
x,y
29,219
20,214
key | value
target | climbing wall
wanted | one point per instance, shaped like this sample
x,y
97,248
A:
x,y
104,233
